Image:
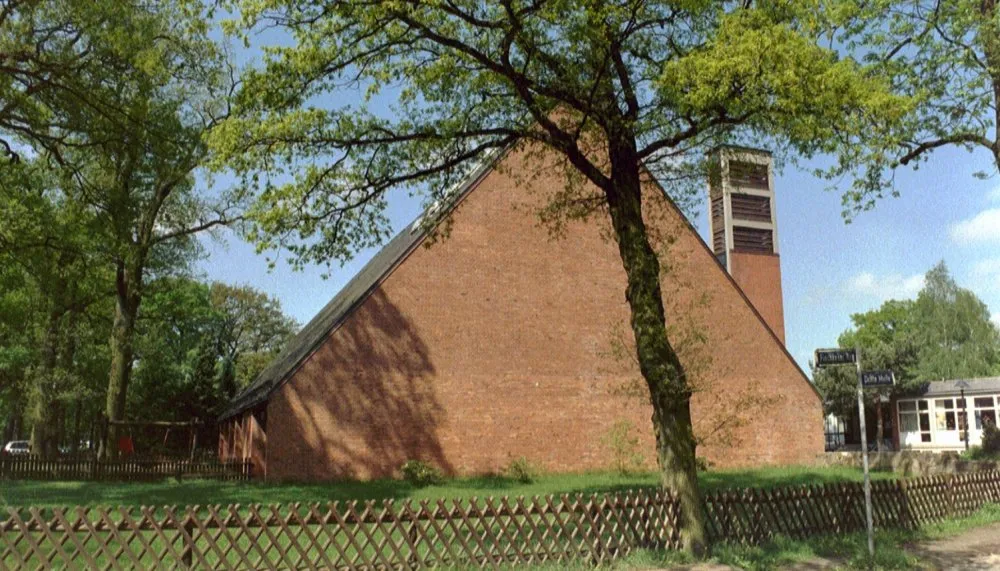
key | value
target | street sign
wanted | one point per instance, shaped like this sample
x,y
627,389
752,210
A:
x,y
871,379
831,357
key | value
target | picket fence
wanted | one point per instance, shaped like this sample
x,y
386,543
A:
x,y
473,532
127,470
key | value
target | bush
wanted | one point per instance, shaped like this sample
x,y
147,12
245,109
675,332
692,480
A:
x,y
624,447
420,473
701,464
991,438
973,453
519,469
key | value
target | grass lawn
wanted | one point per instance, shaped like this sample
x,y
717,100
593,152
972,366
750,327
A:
x,y
848,551
202,492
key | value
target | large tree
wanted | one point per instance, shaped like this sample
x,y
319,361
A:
x,y
954,335
252,331
375,95
886,339
945,56
49,243
946,333
125,124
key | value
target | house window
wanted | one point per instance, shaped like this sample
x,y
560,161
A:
x,y
985,411
914,417
945,414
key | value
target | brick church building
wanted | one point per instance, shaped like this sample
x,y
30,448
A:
x,y
503,339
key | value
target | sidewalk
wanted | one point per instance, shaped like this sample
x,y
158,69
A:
x,y
974,550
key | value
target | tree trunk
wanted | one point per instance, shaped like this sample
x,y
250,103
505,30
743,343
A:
x,y
75,442
122,336
44,408
658,361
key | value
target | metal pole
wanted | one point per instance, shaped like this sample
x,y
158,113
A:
x,y
864,456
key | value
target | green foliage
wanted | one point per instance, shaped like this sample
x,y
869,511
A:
x,y
703,464
852,548
602,92
520,470
953,331
203,492
977,453
991,439
942,55
420,473
945,334
191,339
466,79
115,99
623,445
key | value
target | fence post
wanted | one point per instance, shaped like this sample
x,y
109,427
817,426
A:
x,y
187,556
904,505
951,495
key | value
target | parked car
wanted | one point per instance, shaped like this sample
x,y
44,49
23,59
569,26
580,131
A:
x,y
82,448
16,448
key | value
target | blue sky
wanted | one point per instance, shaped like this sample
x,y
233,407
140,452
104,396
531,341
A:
x,y
830,269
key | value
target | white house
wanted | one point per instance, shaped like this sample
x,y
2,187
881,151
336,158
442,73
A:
x,y
935,420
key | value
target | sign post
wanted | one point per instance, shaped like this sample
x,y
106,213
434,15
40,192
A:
x,y
864,456
836,357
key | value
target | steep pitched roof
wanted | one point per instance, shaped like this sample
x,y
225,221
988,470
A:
x,y
346,300
372,274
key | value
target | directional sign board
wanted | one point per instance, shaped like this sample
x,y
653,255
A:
x,y
831,357
877,379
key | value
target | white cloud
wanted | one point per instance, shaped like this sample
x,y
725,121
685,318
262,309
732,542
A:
x,y
891,286
994,195
988,268
983,227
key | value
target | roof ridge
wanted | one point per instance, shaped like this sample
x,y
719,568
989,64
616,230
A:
x,y
355,291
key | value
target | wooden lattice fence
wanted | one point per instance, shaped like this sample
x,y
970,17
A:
x,y
129,470
463,533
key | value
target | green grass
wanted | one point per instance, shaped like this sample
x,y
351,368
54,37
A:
x,y
202,492
851,550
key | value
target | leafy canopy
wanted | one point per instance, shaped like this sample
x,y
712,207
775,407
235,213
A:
x,y
372,96
945,57
946,333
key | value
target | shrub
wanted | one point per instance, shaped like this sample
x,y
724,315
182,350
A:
x,y
991,438
701,464
623,445
420,473
519,469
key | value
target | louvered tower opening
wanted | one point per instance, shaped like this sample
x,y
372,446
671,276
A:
x,y
741,206
744,230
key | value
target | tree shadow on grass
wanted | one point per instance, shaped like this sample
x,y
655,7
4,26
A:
x,y
194,492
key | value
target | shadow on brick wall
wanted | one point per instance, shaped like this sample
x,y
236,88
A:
x,y
362,405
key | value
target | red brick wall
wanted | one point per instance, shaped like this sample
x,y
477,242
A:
x,y
496,343
242,437
759,275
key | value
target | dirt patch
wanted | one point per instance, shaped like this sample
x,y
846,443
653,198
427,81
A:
x,y
976,549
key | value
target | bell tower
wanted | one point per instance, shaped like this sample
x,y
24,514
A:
x,y
744,227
